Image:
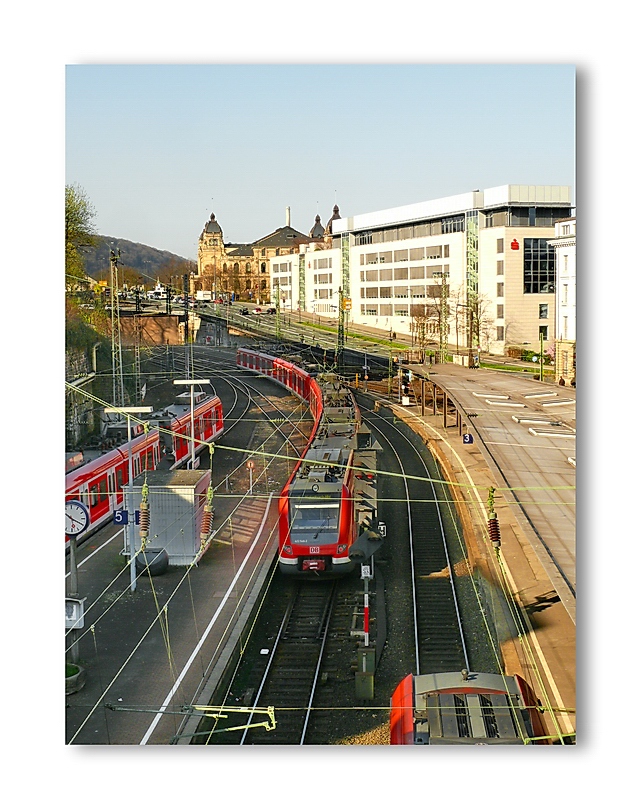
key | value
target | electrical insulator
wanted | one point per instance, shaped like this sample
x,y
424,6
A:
x,y
145,521
207,518
494,532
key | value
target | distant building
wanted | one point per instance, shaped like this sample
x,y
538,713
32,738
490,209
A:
x,y
243,269
565,325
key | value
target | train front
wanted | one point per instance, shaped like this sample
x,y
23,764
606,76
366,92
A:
x,y
316,515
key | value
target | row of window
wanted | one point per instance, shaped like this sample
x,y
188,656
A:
x,y
403,273
406,255
419,291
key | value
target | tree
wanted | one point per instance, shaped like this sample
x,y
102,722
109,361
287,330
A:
x,y
79,233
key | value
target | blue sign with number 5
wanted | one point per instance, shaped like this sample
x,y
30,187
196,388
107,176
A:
x,y
121,517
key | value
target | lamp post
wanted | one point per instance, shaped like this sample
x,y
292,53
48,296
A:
x,y
192,383
128,411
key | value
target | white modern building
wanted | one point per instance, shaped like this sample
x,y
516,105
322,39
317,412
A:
x,y
474,270
565,326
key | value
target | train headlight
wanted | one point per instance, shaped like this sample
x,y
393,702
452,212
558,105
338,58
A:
x,y
287,550
342,548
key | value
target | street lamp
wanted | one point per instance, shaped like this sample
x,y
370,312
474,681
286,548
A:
x,y
191,383
128,411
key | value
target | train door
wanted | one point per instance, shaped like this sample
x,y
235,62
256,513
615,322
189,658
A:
x,y
112,490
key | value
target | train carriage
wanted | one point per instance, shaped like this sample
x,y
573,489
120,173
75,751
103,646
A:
x,y
99,483
320,517
462,708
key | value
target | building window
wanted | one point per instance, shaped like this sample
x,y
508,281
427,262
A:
x,y
500,268
500,246
543,311
499,332
453,224
500,311
500,289
544,331
539,266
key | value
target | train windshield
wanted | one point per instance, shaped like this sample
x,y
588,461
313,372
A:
x,y
315,522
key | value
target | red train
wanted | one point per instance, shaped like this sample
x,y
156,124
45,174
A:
x,y
461,708
98,483
322,510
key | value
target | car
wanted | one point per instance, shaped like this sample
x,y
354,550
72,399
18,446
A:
x,y
257,310
271,311
244,311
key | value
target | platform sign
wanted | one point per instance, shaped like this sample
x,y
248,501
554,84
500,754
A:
x,y
121,517
467,438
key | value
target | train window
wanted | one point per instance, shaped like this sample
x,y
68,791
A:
x,y
119,478
93,495
103,489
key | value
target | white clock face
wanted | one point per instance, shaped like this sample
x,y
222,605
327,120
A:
x,y
76,517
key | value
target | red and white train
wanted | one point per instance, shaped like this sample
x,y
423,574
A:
x,y
329,498
461,708
98,483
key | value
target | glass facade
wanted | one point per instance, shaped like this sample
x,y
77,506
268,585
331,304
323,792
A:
x,y
539,266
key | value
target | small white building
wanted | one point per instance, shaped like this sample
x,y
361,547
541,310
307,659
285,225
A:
x,y
565,325
176,505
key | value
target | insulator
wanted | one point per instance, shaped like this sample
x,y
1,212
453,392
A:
x,y
494,532
205,526
145,519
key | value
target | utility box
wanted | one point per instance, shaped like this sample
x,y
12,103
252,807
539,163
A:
x,y
365,673
176,504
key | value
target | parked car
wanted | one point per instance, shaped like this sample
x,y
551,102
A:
x,y
257,310
244,311
271,310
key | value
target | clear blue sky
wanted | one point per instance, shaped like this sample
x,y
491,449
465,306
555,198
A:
x,y
157,148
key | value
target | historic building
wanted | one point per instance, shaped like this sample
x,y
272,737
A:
x,y
244,270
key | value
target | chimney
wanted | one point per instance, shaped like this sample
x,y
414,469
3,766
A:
x,y
288,218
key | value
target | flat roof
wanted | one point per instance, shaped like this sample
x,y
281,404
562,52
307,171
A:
x,y
457,204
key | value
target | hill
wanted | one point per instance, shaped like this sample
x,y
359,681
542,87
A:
x,y
148,261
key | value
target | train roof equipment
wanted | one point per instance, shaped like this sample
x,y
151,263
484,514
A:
x,y
462,708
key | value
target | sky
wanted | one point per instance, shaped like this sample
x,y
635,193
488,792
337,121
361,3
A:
x,y
158,148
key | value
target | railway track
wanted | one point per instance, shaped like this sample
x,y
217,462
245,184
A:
x,y
288,673
437,621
